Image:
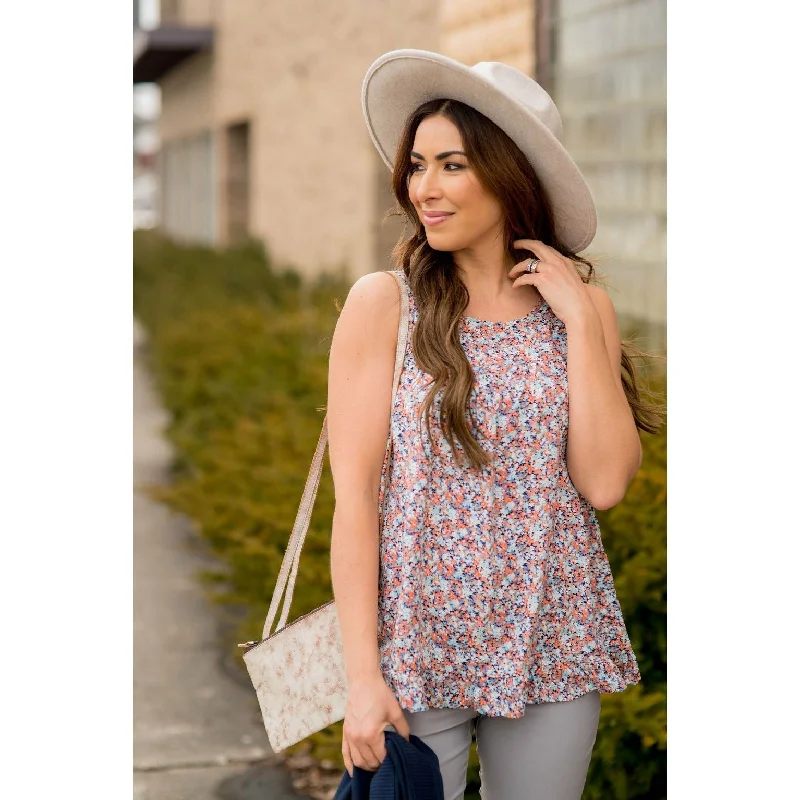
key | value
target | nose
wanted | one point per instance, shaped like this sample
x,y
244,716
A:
x,y
428,186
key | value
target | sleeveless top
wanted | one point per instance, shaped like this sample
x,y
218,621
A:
x,y
494,588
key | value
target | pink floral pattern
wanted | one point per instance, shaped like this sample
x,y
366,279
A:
x,y
494,589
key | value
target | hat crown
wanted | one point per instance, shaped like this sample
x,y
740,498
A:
x,y
524,90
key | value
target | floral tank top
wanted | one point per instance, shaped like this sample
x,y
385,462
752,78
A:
x,y
494,588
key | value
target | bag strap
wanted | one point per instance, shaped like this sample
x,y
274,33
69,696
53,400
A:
x,y
291,558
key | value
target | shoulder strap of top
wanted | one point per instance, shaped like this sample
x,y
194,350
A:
x,y
402,280
291,559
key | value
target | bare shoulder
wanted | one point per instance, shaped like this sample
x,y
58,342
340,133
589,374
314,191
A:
x,y
371,311
600,297
604,305
376,292
361,364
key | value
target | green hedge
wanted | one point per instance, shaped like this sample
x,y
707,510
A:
x,y
240,353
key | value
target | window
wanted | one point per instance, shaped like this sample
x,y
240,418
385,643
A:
x,y
187,186
238,182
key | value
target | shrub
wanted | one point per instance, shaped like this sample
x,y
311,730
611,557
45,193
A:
x,y
240,357
629,759
240,353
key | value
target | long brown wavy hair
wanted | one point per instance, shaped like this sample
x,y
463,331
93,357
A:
x,y
441,295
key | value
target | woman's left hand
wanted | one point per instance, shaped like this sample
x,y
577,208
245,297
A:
x,y
556,279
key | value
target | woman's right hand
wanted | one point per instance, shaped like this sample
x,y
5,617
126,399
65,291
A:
x,y
371,705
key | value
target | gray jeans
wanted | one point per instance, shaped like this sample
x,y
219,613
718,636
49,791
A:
x,y
544,755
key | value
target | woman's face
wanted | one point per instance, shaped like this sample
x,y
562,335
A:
x,y
442,181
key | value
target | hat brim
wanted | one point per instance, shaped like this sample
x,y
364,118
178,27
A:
x,y
402,80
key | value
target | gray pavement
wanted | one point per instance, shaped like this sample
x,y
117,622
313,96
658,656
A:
x,y
197,731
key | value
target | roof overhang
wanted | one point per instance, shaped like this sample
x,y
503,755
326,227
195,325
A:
x,y
157,51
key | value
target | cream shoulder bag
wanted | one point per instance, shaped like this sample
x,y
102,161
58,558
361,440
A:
x,y
298,671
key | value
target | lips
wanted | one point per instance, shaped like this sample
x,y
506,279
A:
x,y
432,217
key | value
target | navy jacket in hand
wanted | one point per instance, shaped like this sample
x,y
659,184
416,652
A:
x,y
410,771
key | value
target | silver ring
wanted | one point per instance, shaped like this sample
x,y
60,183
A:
x,y
532,264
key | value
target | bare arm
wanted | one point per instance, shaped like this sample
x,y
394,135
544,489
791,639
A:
x,y
603,447
360,376
359,395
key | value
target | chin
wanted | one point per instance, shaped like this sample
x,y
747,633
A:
x,y
441,246
443,240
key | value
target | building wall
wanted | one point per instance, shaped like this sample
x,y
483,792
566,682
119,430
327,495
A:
x,y
314,162
187,100
318,191
294,73
489,30
187,12
609,82
188,155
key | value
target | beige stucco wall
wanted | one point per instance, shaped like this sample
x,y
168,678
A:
x,y
294,71
314,162
199,12
187,99
489,30
188,12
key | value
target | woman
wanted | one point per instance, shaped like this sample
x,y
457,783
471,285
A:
x,y
484,601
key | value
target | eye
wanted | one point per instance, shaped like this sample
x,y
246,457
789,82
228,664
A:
x,y
413,167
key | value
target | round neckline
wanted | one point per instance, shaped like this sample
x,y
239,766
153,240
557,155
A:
x,y
506,323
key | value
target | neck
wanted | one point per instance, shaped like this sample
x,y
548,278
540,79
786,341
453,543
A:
x,y
485,275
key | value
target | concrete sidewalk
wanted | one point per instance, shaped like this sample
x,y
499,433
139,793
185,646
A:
x,y
197,731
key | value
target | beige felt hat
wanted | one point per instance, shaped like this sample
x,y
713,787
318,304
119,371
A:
x,y
402,80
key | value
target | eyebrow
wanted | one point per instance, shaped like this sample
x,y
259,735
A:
x,y
441,155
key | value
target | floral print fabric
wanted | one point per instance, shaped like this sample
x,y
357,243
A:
x,y
494,589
